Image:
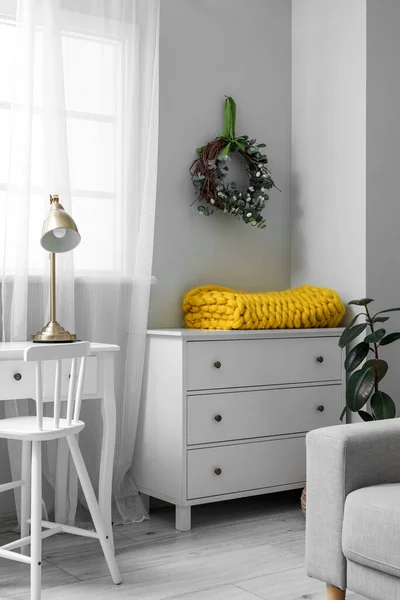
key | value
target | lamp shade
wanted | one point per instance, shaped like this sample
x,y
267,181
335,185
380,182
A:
x,y
59,233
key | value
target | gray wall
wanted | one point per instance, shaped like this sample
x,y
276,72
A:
x,y
383,193
208,49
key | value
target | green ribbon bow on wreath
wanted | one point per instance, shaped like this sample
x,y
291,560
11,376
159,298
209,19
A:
x,y
228,132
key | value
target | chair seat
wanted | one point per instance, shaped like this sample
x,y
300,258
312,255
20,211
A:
x,y
371,528
25,428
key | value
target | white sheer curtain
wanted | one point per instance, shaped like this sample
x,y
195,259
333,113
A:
x,y
79,118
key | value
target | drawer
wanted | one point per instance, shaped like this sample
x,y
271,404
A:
x,y
246,363
18,379
241,415
245,467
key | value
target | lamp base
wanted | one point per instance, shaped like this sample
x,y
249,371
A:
x,y
53,332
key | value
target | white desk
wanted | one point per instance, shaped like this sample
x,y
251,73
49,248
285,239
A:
x,y
17,381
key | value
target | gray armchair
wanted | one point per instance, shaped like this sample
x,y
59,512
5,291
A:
x,y
353,509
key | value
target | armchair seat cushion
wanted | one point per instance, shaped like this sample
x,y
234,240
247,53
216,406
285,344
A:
x,y
371,528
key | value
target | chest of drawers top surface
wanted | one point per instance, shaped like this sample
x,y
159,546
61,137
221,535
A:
x,y
211,334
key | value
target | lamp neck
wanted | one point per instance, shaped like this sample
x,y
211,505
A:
x,y
52,287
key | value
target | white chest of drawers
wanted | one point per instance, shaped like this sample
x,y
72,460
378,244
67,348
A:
x,y
224,413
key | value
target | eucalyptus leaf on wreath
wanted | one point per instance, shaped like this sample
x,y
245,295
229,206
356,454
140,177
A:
x,y
364,382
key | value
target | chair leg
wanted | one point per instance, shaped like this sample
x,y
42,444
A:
x,y
25,492
333,593
95,512
36,521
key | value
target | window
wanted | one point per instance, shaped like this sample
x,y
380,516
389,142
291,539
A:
x,y
92,68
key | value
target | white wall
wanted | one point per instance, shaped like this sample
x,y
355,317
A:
x,y
329,145
382,189
209,49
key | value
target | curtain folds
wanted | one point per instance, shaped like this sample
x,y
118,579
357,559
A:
x,y
79,105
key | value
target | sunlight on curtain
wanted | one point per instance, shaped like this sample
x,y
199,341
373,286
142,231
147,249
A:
x,y
79,117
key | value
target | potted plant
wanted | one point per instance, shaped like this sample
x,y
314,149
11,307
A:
x,y
367,373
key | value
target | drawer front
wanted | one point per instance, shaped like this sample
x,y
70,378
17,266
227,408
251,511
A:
x,y
90,385
18,379
241,415
246,363
245,467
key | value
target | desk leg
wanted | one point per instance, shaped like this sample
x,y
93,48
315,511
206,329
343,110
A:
x,y
108,412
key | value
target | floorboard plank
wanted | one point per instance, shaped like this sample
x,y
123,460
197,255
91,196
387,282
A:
x,y
184,577
88,562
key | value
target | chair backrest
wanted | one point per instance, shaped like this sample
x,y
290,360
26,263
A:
x,y
78,352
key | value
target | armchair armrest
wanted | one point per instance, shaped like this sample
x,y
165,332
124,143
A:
x,y
342,459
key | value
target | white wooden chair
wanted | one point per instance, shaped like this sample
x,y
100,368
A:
x,y
32,431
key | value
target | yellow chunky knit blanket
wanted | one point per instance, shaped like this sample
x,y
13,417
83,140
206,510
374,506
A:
x,y
213,307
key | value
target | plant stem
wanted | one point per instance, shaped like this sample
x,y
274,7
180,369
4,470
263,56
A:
x,y
371,324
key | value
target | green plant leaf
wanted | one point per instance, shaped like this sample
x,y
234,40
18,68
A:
x,y
356,356
350,334
391,337
383,406
380,367
359,388
343,413
375,337
386,311
380,319
362,302
354,319
365,416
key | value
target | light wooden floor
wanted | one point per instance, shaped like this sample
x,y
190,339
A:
x,y
238,550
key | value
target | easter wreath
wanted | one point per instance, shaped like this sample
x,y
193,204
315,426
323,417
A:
x,y
210,169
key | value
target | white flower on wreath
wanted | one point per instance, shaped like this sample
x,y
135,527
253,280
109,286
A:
x,y
258,174
251,189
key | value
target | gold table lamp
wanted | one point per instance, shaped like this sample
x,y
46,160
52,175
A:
x,y
59,234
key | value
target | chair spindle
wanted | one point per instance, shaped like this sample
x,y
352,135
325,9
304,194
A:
x,y
71,392
57,394
39,396
79,389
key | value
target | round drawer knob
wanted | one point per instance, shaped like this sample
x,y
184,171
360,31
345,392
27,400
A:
x,y
218,471
17,376
320,359
321,408
217,365
218,418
